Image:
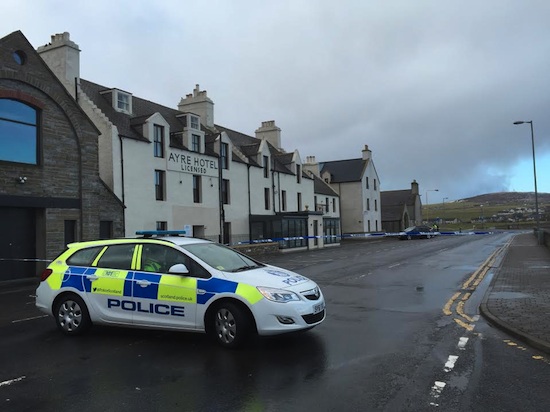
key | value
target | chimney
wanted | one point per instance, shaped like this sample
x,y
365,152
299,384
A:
x,y
200,104
367,154
311,165
414,187
63,57
270,132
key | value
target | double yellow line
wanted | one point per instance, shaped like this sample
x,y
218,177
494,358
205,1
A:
x,y
460,298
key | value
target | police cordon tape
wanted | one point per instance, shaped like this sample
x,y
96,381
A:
x,y
284,239
360,235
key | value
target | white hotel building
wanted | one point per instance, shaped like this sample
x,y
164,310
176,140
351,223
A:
x,y
176,169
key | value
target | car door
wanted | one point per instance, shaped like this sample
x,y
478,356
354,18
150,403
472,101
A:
x,y
107,283
163,299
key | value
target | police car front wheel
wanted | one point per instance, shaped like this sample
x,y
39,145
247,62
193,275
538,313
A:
x,y
230,325
71,315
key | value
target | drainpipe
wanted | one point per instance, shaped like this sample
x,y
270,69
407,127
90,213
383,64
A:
x,y
249,204
122,183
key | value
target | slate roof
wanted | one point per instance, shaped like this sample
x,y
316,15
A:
x,y
128,126
343,171
321,188
393,203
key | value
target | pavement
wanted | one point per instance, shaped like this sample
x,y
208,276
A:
x,y
518,298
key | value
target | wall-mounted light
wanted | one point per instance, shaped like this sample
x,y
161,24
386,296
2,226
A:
x,y
22,179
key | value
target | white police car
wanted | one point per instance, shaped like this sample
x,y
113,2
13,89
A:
x,y
166,281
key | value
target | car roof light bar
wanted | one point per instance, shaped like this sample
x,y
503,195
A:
x,y
151,233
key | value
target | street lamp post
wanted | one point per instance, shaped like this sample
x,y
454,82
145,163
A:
x,y
427,211
539,237
443,213
482,220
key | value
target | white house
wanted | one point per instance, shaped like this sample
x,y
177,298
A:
x,y
358,187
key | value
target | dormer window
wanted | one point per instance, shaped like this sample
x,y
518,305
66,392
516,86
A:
x,y
195,124
123,102
195,143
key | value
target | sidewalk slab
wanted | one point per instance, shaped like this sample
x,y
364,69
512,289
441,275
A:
x,y
518,298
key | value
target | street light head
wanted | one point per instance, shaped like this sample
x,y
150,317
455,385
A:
x,y
519,122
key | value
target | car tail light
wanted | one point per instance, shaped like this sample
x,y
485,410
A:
x,y
45,274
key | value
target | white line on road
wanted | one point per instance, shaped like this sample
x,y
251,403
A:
x,y
392,266
462,343
26,319
6,383
450,363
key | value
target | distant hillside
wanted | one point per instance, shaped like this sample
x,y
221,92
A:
x,y
505,198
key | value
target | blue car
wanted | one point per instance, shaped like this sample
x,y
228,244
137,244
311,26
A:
x,y
417,232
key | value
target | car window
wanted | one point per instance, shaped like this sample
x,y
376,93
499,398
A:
x,y
117,257
159,259
84,257
221,257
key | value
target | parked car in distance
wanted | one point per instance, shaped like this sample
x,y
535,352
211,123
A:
x,y
417,232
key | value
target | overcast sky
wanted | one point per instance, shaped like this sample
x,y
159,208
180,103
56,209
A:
x,y
432,87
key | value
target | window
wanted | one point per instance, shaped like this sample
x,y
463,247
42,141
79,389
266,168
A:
x,y
299,201
266,198
197,195
225,191
224,155
326,204
161,225
368,204
375,184
266,166
194,122
117,257
106,229
123,102
70,231
160,185
84,257
158,141
375,205
367,182
226,233
298,173
195,143
283,200
334,205
18,132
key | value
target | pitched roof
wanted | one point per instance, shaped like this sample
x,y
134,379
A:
x,y
127,125
343,171
393,202
321,188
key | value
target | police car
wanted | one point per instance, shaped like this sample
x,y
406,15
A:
x,y
162,280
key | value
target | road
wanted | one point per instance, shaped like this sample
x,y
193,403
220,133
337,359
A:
x,y
402,334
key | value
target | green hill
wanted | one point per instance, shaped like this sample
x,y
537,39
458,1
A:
x,y
498,210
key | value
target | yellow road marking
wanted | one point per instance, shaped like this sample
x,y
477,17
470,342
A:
x,y
447,307
464,324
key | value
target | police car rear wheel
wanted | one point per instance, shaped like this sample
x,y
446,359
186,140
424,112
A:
x,y
71,315
230,325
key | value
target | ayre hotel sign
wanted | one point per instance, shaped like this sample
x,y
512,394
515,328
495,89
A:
x,y
194,163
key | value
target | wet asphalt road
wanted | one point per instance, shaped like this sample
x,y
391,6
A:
x,y
386,344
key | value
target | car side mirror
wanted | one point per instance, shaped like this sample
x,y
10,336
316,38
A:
x,y
179,268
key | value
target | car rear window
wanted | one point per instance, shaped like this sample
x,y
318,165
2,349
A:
x,y
84,257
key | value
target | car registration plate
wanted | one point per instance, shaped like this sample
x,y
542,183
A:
x,y
318,308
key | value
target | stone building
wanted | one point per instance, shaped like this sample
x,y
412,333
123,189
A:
x,y
401,209
50,190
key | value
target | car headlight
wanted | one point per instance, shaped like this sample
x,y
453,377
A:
x,y
278,295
